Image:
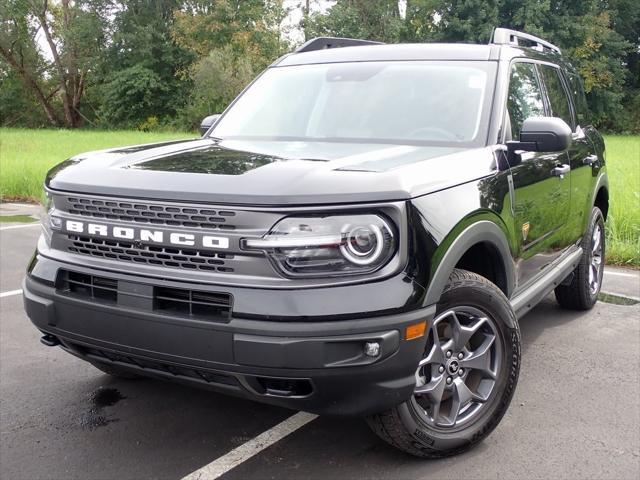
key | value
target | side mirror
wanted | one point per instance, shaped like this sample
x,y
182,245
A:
x,y
207,122
542,134
550,134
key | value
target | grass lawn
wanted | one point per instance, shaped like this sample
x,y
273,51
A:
x,y
26,155
623,224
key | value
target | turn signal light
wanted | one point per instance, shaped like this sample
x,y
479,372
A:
x,y
415,331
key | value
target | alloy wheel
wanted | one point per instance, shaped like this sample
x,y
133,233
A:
x,y
595,265
458,374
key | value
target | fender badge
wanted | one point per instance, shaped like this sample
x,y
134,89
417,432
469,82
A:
x,y
525,230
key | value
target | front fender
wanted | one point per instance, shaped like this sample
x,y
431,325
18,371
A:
x,y
446,224
454,247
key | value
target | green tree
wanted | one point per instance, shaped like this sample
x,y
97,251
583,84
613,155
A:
x,y
74,35
625,17
17,105
250,27
132,96
234,40
598,52
139,74
370,19
450,21
217,79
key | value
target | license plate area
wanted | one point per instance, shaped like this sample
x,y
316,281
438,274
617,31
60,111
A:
x,y
178,302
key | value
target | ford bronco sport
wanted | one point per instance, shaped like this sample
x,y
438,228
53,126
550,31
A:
x,y
357,234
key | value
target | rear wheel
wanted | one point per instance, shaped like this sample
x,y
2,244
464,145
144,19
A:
x,y
582,292
468,374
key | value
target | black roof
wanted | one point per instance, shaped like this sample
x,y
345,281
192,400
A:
x,y
415,51
505,45
401,51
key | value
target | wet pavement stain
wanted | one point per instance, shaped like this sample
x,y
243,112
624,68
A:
x,y
100,399
106,397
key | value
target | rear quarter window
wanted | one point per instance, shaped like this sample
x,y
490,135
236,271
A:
x,y
579,99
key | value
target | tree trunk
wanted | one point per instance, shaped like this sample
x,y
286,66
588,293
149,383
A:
x,y
63,78
30,82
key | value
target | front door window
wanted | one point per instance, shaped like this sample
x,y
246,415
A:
x,y
525,98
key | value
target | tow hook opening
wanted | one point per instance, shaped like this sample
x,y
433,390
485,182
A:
x,y
49,340
284,387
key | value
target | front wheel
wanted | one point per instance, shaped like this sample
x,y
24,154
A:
x,y
467,377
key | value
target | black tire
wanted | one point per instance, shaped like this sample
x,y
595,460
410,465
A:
x,y
406,429
579,294
117,372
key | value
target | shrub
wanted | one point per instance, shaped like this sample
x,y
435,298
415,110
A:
x,y
217,79
151,124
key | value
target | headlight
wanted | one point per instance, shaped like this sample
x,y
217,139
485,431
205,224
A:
x,y
45,215
49,222
328,245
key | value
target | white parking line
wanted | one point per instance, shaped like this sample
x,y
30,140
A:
x,y
254,446
10,293
623,295
620,274
11,227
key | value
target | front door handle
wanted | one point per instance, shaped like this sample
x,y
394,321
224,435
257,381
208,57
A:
x,y
590,160
560,170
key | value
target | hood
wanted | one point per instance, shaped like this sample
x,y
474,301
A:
x,y
270,173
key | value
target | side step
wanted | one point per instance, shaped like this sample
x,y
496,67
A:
x,y
529,298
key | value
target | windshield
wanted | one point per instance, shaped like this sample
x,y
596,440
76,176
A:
x,y
374,102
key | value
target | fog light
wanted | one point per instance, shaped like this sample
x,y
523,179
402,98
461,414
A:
x,y
56,223
372,349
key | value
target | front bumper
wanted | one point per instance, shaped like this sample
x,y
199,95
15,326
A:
x,y
316,366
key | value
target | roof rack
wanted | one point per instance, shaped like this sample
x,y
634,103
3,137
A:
x,y
504,36
323,43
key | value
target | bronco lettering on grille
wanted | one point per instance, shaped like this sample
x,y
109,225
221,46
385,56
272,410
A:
x,y
146,235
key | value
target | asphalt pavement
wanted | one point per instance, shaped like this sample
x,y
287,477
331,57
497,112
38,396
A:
x,y
575,414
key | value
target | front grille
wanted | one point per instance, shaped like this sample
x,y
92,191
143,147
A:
x,y
195,219
152,213
89,286
191,302
150,254
179,302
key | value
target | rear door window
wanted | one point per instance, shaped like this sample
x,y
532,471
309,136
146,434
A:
x,y
557,94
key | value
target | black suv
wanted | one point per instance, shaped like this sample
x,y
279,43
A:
x,y
357,234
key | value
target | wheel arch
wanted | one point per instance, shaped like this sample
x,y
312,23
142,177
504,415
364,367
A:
x,y
483,236
601,198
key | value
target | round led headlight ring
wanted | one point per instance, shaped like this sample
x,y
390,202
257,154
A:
x,y
363,244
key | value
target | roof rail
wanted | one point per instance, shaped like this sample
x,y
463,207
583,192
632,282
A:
x,y
322,43
504,36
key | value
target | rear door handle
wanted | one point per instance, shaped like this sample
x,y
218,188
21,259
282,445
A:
x,y
590,160
560,170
